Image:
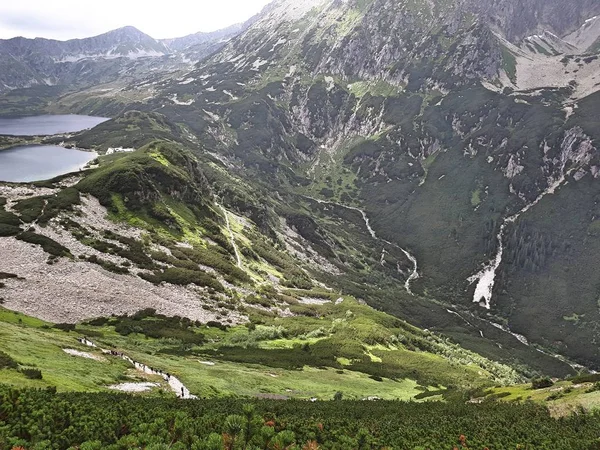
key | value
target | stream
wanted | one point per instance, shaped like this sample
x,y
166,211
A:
x,y
414,274
174,383
519,337
231,236
486,278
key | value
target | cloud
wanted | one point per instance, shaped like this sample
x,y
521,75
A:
x,y
67,19
39,24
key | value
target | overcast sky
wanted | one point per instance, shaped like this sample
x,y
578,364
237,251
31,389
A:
x,y
67,19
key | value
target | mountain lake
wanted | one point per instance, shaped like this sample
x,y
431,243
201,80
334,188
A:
x,y
29,163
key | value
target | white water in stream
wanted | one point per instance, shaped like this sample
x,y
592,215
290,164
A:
x,y
486,278
174,383
519,337
414,274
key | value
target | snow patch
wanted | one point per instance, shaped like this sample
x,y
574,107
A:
x,y
85,355
175,100
291,72
313,301
256,65
233,97
213,116
330,83
281,41
134,387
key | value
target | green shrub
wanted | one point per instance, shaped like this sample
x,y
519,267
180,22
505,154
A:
x,y
98,322
8,218
219,325
7,276
64,200
8,230
6,362
30,209
107,265
541,383
65,327
106,420
158,326
184,277
555,396
586,378
49,245
594,388
212,258
32,374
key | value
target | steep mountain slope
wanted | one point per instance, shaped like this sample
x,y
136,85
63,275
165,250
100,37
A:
x,y
402,107
182,43
409,154
518,19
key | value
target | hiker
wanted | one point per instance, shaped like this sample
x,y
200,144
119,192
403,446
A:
x,y
182,392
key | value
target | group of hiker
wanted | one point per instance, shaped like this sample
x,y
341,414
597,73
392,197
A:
x,y
166,376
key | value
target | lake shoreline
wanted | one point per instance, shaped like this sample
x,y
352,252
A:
x,y
42,144
46,126
38,148
34,163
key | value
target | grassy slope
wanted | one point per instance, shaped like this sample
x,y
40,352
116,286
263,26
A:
x,y
563,398
35,344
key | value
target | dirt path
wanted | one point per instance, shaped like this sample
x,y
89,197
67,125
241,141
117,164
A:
x,y
174,383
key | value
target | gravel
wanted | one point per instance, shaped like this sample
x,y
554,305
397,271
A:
x,y
71,291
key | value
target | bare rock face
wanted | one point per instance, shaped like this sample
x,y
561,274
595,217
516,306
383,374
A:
x,y
517,19
397,39
424,44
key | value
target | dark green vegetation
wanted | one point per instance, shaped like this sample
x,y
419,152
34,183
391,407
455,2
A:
x,y
50,246
6,362
148,189
9,222
551,257
140,178
176,328
436,171
132,129
31,101
46,420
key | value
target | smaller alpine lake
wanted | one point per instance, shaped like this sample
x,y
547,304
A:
x,y
47,125
30,163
